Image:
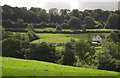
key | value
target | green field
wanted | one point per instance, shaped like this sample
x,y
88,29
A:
x,y
63,38
20,67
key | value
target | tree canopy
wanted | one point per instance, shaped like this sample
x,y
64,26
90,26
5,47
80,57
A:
x,y
12,16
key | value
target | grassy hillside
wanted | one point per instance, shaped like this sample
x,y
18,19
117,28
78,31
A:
x,y
20,67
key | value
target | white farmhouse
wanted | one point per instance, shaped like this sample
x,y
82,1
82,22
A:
x,y
97,39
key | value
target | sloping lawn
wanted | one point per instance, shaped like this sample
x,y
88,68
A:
x,y
21,67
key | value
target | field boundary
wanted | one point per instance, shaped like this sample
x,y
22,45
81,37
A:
x,y
64,32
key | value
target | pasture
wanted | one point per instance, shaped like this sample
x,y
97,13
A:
x,y
22,67
63,38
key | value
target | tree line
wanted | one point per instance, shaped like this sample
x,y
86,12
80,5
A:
x,y
19,17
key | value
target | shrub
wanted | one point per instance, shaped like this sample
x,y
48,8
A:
x,y
75,23
83,29
81,48
7,23
99,26
42,52
43,25
51,25
113,49
6,35
18,25
114,36
11,47
68,57
65,26
20,21
31,34
58,28
89,22
113,21
105,60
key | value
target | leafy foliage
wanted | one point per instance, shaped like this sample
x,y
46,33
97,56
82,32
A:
x,y
89,22
31,34
105,61
113,21
68,57
13,45
42,52
75,23
12,16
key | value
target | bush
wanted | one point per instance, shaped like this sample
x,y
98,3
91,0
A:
x,y
65,26
58,28
14,44
99,26
75,23
10,24
89,22
6,35
42,52
20,21
51,25
7,23
83,29
113,49
43,25
113,21
68,57
82,48
105,60
11,47
31,34
114,36
19,25
118,66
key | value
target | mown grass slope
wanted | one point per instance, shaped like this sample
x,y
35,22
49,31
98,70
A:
x,y
21,67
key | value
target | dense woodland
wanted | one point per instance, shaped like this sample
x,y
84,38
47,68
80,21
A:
x,y
75,53
15,17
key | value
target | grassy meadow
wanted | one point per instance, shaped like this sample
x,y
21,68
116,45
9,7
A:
x,y
63,38
20,67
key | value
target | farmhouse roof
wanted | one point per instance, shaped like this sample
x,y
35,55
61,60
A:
x,y
100,36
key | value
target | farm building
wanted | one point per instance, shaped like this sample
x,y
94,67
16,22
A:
x,y
97,39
